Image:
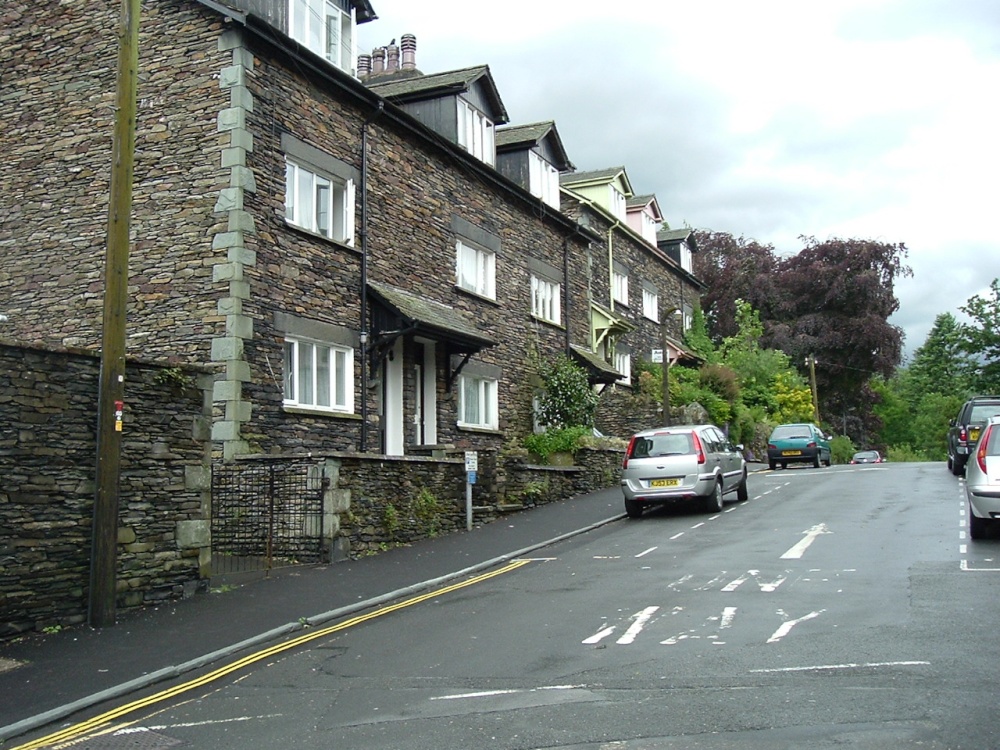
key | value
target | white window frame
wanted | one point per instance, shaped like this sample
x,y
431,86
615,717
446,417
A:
x,y
685,255
326,29
619,205
651,305
546,299
305,361
319,203
543,179
475,133
477,402
649,227
475,269
623,363
620,287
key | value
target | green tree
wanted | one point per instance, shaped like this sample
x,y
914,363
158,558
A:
x,y
982,337
698,340
940,364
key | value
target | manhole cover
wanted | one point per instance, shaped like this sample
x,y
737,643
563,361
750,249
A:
x,y
132,739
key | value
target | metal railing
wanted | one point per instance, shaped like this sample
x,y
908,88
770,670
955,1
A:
x,y
266,515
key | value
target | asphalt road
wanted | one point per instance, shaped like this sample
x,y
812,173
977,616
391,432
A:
x,y
838,607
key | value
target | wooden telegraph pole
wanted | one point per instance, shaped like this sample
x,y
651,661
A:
x,y
111,396
812,381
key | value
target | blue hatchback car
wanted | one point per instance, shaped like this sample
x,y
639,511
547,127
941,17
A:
x,y
798,443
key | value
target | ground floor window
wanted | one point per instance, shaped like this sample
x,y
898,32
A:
x,y
319,376
477,402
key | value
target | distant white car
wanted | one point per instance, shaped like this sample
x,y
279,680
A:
x,y
686,462
982,479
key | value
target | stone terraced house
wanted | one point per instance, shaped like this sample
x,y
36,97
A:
x,y
371,258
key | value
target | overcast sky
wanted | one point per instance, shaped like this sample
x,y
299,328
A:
x,y
771,119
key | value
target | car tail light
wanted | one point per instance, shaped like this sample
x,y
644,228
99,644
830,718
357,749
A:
x,y
772,446
811,445
697,447
981,453
962,434
628,452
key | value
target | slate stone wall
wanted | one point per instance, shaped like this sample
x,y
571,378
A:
x,y
48,417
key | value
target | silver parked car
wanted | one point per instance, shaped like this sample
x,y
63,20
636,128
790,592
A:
x,y
982,479
685,462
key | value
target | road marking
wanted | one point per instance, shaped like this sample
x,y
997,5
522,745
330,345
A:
x,y
676,536
698,525
866,665
100,722
490,693
646,552
641,618
764,586
724,622
965,566
786,627
810,536
728,615
599,636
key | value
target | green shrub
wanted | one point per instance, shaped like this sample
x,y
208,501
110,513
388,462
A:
x,y
841,449
903,453
565,440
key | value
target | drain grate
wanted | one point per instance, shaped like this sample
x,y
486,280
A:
x,y
130,739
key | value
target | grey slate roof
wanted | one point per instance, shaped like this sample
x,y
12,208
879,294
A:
x,y
513,137
407,88
639,200
673,235
594,175
600,371
435,318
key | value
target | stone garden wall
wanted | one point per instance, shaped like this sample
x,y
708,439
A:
x,y
48,418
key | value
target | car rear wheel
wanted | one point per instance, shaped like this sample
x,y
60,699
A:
x,y
957,466
977,526
741,491
784,464
713,502
772,465
816,460
633,508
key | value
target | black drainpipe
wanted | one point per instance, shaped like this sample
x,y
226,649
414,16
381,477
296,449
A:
x,y
364,275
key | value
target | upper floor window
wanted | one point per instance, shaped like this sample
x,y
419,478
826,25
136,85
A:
x,y
649,228
477,402
650,303
320,204
685,254
687,316
619,288
543,179
475,269
319,376
618,202
475,133
545,299
325,28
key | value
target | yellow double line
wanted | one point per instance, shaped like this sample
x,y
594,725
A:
x,y
103,720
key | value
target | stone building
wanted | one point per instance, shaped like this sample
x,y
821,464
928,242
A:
x,y
365,256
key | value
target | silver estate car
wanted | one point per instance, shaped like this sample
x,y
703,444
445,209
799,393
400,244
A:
x,y
685,462
982,479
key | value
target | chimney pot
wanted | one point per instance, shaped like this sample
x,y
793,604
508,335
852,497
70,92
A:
x,y
408,44
378,60
364,66
392,58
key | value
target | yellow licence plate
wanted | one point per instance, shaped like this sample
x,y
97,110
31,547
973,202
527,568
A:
x,y
791,453
665,483
973,434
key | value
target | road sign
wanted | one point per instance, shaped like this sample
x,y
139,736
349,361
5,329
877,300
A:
x,y
471,461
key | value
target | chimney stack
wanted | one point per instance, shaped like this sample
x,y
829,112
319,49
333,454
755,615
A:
x,y
364,66
378,60
408,43
392,57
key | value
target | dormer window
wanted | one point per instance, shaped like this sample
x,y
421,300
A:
x,y
617,202
649,227
475,133
326,28
685,253
543,179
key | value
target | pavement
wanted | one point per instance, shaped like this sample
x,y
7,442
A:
x,y
47,677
